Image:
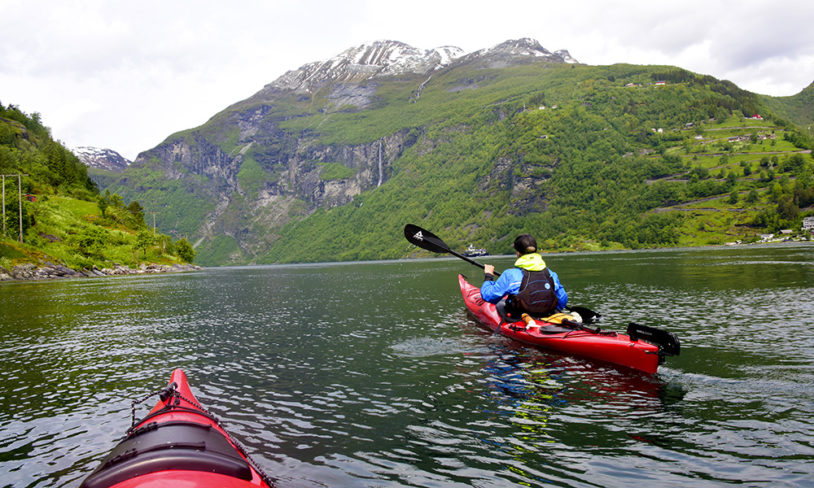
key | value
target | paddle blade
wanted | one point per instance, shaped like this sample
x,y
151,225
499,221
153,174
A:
x,y
667,342
424,239
431,242
588,315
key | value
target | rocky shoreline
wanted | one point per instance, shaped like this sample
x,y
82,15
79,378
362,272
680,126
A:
x,y
48,271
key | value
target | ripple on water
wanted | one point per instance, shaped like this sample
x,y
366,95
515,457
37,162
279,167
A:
x,y
387,388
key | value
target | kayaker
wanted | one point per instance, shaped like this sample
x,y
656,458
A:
x,y
529,287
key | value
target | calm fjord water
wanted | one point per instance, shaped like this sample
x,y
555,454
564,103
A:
x,y
372,374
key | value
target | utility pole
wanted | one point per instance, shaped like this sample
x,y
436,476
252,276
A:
x,y
4,205
19,202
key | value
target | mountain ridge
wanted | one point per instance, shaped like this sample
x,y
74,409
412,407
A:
x,y
355,131
101,158
380,58
384,58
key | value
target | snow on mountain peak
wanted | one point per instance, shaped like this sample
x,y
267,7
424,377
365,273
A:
x,y
393,58
108,159
525,46
369,60
566,56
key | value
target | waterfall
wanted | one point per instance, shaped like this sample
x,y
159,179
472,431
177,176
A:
x,y
380,164
417,93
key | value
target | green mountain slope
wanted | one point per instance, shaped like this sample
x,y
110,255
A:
x,y
585,157
798,109
63,220
590,174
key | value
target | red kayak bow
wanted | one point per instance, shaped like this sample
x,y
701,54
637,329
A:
x,y
178,444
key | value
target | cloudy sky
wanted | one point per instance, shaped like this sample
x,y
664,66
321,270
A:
x,y
126,74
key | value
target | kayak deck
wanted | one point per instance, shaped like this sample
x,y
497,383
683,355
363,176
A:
x,y
611,347
177,443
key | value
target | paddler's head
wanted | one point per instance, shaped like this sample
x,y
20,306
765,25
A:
x,y
525,244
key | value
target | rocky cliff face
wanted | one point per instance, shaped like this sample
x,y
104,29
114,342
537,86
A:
x,y
255,175
270,178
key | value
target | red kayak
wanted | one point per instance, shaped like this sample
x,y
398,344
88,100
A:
x,y
178,444
642,348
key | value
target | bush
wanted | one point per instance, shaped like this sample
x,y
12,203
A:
x,y
733,197
90,241
185,250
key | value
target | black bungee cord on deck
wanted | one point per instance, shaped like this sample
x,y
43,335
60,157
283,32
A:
x,y
171,398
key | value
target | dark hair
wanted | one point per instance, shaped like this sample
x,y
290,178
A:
x,y
525,244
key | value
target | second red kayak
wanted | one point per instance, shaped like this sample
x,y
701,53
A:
x,y
642,349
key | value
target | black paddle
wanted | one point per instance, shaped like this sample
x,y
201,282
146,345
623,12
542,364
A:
x,y
667,342
431,242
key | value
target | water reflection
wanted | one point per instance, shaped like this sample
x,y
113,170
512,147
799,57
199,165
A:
x,y
382,380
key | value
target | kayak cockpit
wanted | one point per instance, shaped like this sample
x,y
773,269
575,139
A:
x,y
165,446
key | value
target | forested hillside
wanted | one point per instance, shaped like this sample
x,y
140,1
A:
x,y
798,109
585,157
604,157
63,219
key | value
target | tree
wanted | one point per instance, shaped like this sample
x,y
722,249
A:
x,y
793,164
116,200
137,212
733,197
165,243
775,192
7,136
731,178
184,250
787,208
144,239
103,204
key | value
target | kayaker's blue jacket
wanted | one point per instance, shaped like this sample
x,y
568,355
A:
x,y
509,281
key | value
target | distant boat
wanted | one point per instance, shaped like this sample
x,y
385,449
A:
x,y
472,251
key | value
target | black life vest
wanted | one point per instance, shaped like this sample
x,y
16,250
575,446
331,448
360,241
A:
x,y
536,295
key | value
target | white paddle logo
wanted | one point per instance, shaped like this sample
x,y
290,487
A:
x,y
418,236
